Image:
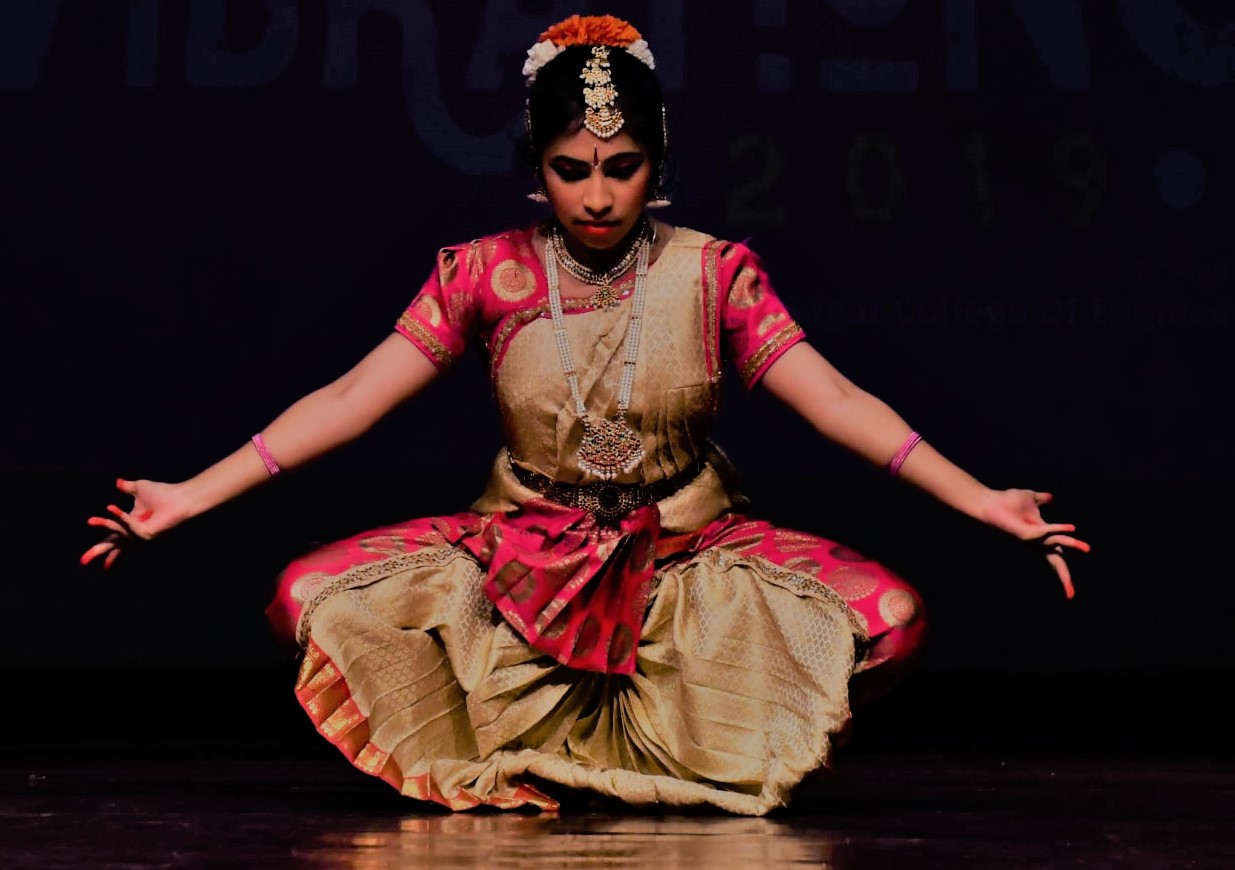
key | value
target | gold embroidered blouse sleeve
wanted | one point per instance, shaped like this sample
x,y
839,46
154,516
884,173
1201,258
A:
x,y
443,317
756,327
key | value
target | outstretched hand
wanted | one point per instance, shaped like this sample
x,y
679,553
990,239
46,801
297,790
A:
x,y
156,508
1016,511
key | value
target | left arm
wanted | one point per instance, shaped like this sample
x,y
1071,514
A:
x,y
861,422
845,413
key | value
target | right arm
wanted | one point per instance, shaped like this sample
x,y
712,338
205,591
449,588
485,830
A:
x,y
325,419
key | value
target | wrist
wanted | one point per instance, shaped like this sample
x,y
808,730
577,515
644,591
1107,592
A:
x,y
192,497
979,503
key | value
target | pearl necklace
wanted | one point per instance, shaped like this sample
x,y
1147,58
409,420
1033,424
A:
x,y
608,447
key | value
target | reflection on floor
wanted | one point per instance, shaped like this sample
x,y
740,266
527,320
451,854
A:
x,y
221,807
154,768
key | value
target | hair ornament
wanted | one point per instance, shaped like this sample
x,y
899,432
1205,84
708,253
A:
x,y
594,30
602,117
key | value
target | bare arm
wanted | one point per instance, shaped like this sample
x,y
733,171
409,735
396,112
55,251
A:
x,y
316,424
853,418
325,419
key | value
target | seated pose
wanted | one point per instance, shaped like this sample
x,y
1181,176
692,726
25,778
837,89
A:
x,y
605,616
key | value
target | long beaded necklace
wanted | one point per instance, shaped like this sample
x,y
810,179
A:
x,y
608,447
605,295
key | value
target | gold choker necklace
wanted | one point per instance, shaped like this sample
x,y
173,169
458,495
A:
x,y
605,295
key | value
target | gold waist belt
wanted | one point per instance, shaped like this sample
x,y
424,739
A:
x,y
608,501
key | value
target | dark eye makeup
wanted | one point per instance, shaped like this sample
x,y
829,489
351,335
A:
x,y
620,167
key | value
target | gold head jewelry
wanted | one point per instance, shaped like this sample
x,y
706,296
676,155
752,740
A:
x,y
603,118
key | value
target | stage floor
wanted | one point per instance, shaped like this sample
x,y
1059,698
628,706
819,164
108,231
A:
x,y
261,806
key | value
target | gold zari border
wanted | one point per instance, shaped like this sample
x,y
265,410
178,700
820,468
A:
x,y
441,355
779,339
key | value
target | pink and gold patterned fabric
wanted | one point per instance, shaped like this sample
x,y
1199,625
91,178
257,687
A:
x,y
686,654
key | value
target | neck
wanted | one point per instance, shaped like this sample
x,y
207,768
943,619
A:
x,y
603,259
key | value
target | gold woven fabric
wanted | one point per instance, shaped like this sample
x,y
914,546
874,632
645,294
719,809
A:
x,y
743,666
741,679
673,397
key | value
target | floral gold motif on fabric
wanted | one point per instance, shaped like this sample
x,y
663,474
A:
x,y
429,309
805,564
512,281
308,586
371,760
789,541
741,541
342,720
747,289
386,545
325,677
897,607
771,320
853,584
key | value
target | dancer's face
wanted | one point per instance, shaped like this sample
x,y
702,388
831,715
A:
x,y
597,187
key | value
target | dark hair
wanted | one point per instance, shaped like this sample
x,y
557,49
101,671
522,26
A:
x,y
555,105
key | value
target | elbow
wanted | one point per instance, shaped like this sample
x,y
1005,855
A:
x,y
342,404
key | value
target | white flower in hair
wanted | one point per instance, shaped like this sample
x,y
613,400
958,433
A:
x,y
537,56
639,48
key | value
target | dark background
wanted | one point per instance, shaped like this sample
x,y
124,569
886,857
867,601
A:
x,y
1009,219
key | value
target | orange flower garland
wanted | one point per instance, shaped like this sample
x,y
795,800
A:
x,y
591,30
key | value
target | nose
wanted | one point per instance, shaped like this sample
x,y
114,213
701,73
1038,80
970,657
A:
x,y
597,199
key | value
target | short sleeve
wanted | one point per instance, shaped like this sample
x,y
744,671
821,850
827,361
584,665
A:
x,y
442,319
756,328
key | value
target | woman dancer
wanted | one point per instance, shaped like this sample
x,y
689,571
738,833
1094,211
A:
x,y
604,616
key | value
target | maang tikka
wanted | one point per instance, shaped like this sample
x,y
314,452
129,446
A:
x,y
603,117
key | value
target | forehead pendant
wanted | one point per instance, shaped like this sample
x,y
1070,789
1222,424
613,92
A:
x,y
602,117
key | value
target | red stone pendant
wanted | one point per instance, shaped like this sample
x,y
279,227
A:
x,y
609,448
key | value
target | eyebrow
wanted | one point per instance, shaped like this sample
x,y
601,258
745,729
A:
x,y
616,158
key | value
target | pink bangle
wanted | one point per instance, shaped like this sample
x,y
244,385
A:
x,y
894,467
260,443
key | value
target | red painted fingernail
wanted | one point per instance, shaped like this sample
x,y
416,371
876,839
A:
x,y
147,515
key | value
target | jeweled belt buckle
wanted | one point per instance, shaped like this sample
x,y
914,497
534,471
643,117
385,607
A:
x,y
608,501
